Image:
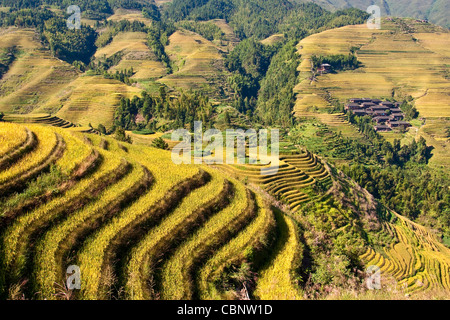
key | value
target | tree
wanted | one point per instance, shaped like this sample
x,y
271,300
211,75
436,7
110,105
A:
x,y
227,118
1,116
122,136
159,143
101,129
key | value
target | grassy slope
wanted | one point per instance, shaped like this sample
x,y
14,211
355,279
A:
x,y
198,62
136,55
34,76
131,15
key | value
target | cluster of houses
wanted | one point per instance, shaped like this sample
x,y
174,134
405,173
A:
x,y
386,114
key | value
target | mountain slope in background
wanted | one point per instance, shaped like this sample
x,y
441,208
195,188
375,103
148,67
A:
x,y
433,10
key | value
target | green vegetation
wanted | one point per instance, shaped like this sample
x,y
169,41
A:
x,y
159,143
337,62
208,30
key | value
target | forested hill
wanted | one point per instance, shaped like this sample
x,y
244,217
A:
x,y
435,11
260,18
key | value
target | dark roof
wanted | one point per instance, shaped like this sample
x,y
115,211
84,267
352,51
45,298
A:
x,y
405,123
374,108
387,103
377,101
368,104
359,111
381,119
352,104
396,110
382,127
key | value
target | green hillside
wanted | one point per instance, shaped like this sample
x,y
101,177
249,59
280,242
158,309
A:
x,y
434,11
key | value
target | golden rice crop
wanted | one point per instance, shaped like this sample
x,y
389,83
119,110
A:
x,y
47,141
16,236
237,249
189,206
277,281
11,137
92,255
47,269
75,152
175,277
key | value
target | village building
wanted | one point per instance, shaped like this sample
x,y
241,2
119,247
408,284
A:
x,y
381,119
382,128
386,114
399,124
324,68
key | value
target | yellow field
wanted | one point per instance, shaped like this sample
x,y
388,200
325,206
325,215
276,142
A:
x,y
196,60
273,39
35,75
231,39
136,55
391,61
417,261
90,99
130,15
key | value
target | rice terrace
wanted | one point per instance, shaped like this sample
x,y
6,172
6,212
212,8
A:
x,y
352,205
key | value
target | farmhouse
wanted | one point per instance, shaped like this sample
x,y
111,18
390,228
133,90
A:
x,y
324,68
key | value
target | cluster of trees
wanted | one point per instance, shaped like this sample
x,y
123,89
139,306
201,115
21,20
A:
x,y
393,154
181,111
206,29
409,110
248,62
262,18
70,45
337,61
6,58
114,27
415,191
94,9
276,98
158,38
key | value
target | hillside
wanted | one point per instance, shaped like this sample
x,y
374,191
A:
x,y
198,64
34,75
88,178
111,200
396,63
434,11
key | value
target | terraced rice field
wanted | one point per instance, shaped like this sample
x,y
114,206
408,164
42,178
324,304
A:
x,y
198,62
130,15
34,76
391,60
417,261
136,55
295,176
120,217
90,99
